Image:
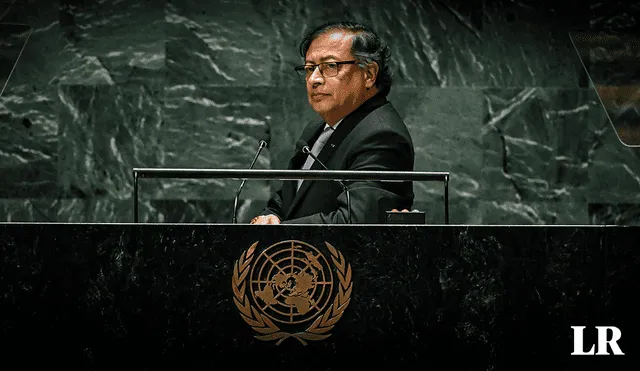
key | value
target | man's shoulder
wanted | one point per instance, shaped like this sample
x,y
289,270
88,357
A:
x,y
386,111
385,118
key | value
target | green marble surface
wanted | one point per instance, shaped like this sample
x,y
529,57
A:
x,y
494,93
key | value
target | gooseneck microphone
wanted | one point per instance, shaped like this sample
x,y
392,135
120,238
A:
x,y
304,147
262,145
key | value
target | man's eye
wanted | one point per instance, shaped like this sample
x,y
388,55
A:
x,y
332,65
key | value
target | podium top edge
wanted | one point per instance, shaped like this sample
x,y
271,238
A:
x,y
290,174
335,225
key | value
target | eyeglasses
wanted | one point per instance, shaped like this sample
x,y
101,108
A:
x,y
327,69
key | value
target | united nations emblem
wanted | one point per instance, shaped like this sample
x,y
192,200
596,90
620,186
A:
x,y
289,291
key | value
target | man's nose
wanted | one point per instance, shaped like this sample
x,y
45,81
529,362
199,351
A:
x,y
316,77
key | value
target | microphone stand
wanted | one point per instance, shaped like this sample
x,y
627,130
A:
x,y
234,220
307,151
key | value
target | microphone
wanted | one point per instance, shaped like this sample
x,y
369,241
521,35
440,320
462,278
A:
x,y
304,147
262,145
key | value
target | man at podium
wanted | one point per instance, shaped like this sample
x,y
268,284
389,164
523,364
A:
x,y
347,75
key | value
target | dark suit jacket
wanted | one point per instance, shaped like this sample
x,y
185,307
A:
x,y
373,137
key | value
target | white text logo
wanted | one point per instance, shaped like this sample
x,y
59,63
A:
x,y
604,342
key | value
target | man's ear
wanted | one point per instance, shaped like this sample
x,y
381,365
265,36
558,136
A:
x,y
371,73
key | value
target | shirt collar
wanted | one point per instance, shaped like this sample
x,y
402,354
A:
x,y
334,127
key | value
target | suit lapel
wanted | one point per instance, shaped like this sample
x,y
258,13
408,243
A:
x,y
313,132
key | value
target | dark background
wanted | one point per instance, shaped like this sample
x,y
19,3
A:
x,y
492,91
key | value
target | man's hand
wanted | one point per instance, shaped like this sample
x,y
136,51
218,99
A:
x,y
265,219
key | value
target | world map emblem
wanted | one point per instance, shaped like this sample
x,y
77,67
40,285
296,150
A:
x,y
291,289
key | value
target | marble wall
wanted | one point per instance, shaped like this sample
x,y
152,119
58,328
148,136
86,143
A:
x,y
493,91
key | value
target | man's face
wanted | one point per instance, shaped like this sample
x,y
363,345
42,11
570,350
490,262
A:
x,y
335,97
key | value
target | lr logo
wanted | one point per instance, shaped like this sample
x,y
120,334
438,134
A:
x,y
603,340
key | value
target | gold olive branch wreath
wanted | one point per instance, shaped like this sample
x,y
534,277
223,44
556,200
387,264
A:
x,y
269,330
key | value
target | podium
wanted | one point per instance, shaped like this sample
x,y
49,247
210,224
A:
x,y
159,296
333,175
